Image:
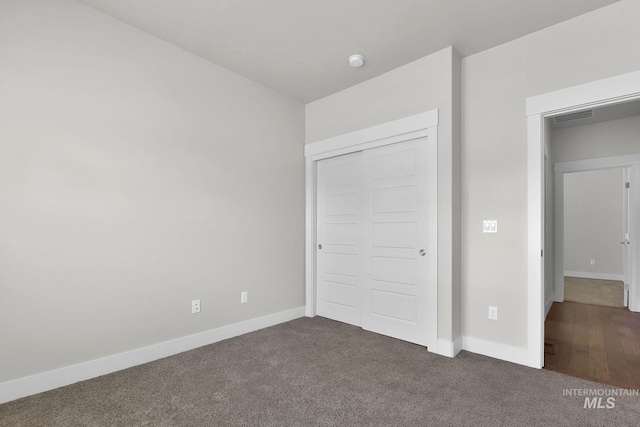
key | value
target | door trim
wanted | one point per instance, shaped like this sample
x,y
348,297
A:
x,y
405,129
608,91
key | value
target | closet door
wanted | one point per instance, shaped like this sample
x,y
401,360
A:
x,y
394,241
339,260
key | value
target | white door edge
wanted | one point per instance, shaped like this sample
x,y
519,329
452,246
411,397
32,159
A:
x,y
634,232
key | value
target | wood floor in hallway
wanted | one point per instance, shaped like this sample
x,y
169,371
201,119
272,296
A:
x,y
594,342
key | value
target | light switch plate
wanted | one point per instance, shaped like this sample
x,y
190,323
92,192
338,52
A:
x,y
490,226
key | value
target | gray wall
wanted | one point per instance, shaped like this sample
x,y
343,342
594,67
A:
x,y
429,83
593,226
135,177
496,84
605,139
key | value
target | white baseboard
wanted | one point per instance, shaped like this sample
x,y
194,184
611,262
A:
x,y
589,275
449,348
21,387
496,350
457,346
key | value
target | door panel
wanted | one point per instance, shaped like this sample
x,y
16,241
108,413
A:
x,y
341,294
338,222
394,270
394,235
340,264
394,306
394,165
394,273
341,234
341,204
394,200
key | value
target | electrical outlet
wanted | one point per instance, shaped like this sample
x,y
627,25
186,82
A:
x,y
493,313
195,306
592,262
244,297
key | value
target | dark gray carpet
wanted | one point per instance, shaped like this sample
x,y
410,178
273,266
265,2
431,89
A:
x,y
317,372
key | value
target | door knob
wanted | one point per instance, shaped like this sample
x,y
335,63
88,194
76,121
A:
x,y
319,246
422,252
622,243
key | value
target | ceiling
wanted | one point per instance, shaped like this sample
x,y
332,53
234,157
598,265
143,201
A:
x,y
301,47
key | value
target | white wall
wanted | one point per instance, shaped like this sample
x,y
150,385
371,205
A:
x,y
432,82
606,139
124,179
593,223
495,85
417,87
135,177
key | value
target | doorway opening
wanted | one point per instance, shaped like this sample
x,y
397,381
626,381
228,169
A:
x,y
586,214
606,92
588,331
594,234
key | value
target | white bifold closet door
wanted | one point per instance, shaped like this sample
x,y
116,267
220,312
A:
x,y
372,234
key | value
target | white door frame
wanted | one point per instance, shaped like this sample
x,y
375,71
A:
x,y
580,166
608,91
412,127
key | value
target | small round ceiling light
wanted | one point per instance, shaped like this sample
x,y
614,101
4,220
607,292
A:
x,y
356,60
